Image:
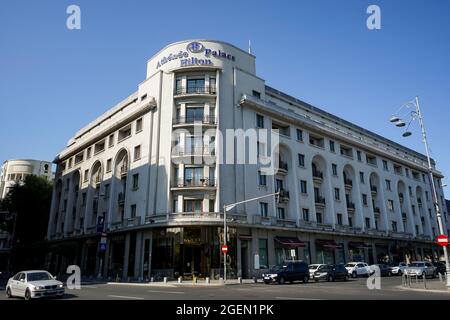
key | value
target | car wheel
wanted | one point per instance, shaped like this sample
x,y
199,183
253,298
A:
x,y
305,279
267,281
281,280
8,292
27,295
354,275
316,280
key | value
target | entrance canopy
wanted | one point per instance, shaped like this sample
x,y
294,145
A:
x,y
328,244
290,242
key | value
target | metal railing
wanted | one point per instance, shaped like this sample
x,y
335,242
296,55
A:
x,y
195,90
283,165
317,174
194,182
200,150
373,188
319,200
350,205
348,182
195,119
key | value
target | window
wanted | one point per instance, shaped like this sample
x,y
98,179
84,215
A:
x,y
86,175
211,205
193,206
259,121
417,229
413,208
364,197
261,149
263,209
108,165
427,196
372,160
398,169
316,141
175,205
256,94
137,153
346,151
367,223
388,185
301,160
111,140
88,153
107,190
299,134
194,114
319,217
394,226
358,155
305,213
281,213
334,169
70,163
263,254
350,221
196,85
143,97
99,147
262,179
303,187
339,219
337,194
385,165
281,128
135,181
391,205
416,175
138,125
407,172
332,149
124,133
361,177
212,84
133,211
431,216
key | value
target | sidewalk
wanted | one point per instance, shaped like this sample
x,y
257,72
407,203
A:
x,y
428,286
184,283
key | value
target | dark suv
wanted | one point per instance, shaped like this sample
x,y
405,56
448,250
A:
x,y
331,272
289,271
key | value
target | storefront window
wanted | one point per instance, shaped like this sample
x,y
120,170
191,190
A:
x,y
324,255
340,254
263,254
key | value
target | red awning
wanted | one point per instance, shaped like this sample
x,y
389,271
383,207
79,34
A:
x,y
290,241
358,245
328,244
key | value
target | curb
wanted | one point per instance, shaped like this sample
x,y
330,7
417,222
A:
x,y
423,290
173,285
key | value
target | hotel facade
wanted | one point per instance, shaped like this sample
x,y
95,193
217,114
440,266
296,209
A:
x,y
139,192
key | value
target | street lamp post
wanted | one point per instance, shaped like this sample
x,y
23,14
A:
x,y
417,114
226,208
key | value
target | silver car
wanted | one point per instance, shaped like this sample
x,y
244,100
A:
x,y
34,284
420,269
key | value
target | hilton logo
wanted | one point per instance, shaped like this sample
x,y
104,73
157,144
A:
x,y
195,47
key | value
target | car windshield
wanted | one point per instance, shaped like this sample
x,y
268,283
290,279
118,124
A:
x,y
323,267
351,265
39,276
417,264
314,266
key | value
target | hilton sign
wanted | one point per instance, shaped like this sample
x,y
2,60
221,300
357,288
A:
x,y
196,48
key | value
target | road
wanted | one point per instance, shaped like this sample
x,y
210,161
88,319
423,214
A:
x,y
351,290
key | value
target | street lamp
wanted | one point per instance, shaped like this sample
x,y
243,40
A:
x,y
413,110
226,208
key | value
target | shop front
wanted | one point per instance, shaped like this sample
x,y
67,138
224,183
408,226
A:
x,y
357,251
287,248
325,251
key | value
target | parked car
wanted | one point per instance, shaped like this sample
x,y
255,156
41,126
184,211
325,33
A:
x,y
421,269
289,271
34,284
399,268
314,267
356,269
385,270
331,272
439,267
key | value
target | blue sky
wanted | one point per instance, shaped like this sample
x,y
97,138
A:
x,y
53,80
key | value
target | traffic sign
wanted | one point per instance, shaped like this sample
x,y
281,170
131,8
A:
x,y
442,240
224,249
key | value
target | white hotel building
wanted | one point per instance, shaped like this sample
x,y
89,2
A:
x,y
140,190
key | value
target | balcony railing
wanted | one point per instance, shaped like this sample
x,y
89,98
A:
x,y
194,151
317,174
348,182
283,165
195,90
195,119
373,189
350,205
195,182
376,210
121,198
319,200
123,169
284,195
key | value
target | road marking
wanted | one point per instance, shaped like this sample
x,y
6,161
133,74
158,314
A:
x,y
89,287
295,298
161,291
125,297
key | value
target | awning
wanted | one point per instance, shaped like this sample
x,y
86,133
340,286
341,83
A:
x,y
245,237
290,242
328,244
358,245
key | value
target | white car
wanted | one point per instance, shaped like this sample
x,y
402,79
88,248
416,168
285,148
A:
x,y
398,270
420,269
313,268
356,269
34,284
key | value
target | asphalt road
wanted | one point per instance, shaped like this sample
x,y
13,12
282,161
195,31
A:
x,y
350,290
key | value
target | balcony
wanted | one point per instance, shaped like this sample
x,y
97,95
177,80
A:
x,y
123,170
121,198
284,195
348,184
319,201
282,168
317,176
404,216
194,151
350,207
195,90
376,210
374,190
132,222
201,182
206,120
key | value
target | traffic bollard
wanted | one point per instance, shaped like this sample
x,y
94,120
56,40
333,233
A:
x,y
165,279
207,280
180,279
